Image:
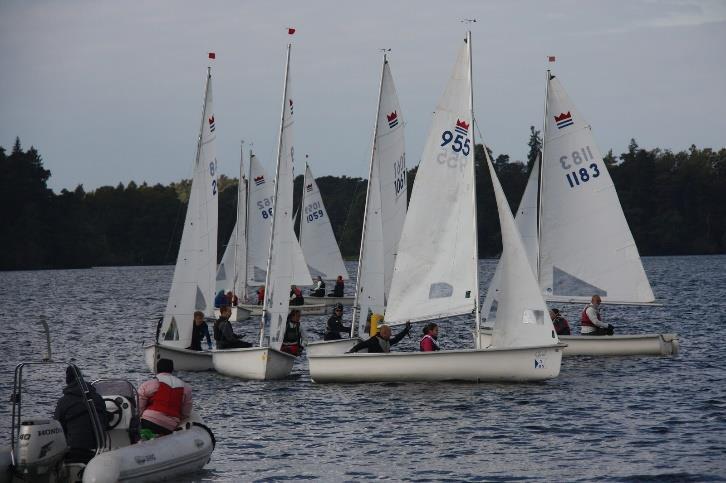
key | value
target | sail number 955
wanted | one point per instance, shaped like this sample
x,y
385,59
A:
x,y
460,143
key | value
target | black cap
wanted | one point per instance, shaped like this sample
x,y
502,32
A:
x,y
165,365
71,375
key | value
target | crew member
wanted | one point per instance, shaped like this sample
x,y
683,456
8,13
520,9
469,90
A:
x,y
223,333
335,325
382,341
165,400
200,330
319,288
429,342
292,340
296,296
591,322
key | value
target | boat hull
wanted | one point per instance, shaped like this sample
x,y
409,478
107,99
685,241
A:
x,y
346,301
255,363
184,359
610,345
238,314
167,457
307,309
330,347
523,364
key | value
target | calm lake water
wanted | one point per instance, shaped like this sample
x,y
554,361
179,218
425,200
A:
x,y
619,419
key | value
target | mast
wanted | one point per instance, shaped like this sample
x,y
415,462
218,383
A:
x,y
274,200
237,224
541,175
356,306
477,309
246,222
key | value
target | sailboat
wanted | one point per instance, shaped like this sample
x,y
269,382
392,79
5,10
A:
x,y
259,228
193,283
577,238
317,240
385,211
267,361
436,269
232,270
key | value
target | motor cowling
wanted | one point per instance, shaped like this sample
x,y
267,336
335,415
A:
x,y
40,448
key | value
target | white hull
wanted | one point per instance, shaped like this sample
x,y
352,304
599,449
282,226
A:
x,y
256,363
346,301
476,365
610,345
238,314
163,458
330,347
184,359
307,309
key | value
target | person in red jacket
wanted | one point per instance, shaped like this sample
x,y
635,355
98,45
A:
x,y
429,342
165,400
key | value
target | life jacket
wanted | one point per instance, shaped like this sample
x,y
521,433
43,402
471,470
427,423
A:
x,y
433,341
560,324
585,320
168,399
292,333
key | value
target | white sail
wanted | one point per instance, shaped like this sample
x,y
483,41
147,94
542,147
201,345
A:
x,y
192,287
522,316
586,247
386,200
526,222
233,267
435,274
316,234
282,241
259,225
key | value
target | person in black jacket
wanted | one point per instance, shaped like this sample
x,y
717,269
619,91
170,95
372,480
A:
x,y
72,413
223,333
292,339
335,325
382,341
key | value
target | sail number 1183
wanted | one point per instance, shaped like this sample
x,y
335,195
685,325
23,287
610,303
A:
x,y
576,176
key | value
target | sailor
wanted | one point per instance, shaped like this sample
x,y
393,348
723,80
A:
x,y
339,288
319,288
562,327
200,330
165,400
224,334
261,295
72,413
335,325
292,340
231,299
429,342
382,341
591,321
296,296
220,299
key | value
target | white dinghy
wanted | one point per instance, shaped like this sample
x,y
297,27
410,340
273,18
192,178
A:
x,y
436,269
192,287
317,239
232,270
267,361
569,203
38,445
385,211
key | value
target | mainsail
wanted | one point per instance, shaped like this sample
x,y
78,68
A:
x,y
385,209
586,246
316,234
435,273
282,241
233,267
192,287
259,225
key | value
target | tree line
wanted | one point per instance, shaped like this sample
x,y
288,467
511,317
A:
x,y
674,203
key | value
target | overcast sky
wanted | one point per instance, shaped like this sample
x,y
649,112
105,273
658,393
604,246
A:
x,y
111,91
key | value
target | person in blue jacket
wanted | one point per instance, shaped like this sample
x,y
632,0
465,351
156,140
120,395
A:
x,y
220,299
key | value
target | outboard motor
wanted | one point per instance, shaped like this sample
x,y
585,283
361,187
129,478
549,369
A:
x,y
40,450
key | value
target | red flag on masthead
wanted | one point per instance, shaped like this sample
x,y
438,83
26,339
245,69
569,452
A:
x,y
212,55
551,58
290,30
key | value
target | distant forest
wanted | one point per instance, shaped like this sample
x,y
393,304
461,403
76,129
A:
x,y
675,203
